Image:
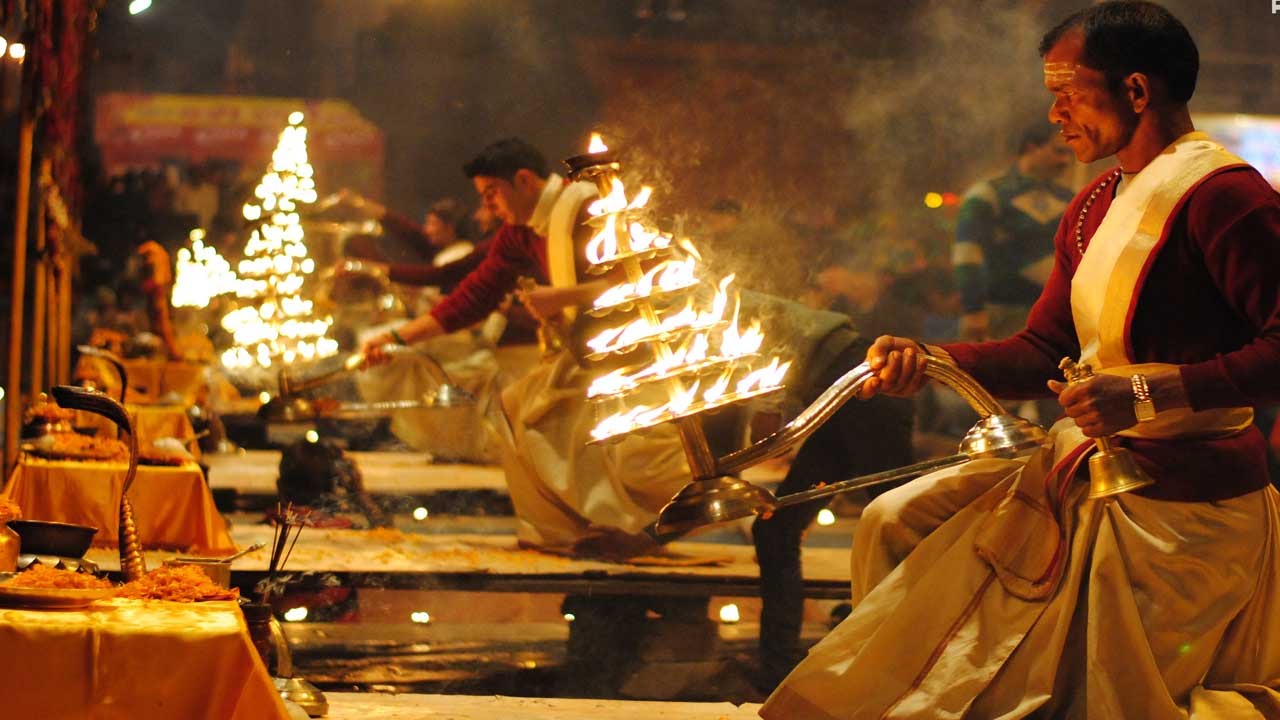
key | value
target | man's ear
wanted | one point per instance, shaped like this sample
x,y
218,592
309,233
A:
x,y
526,179
1137,89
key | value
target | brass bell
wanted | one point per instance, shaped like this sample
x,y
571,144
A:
x,y
550,337
1112,470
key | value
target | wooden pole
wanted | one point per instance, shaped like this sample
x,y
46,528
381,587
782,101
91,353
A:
x,y
53,321
63,274
17,293
40,287
18,287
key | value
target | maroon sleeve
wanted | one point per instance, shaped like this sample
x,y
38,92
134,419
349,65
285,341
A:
x,y
445,276
1234,219
393,223
1018,367
516,251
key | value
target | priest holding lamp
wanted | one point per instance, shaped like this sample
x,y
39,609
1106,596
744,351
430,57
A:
x,y
1009,588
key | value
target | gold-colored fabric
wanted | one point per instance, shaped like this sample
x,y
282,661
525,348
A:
x,y
1161,608
172,506
1110,275
561,248
565,491
1108,278
133,660
150,422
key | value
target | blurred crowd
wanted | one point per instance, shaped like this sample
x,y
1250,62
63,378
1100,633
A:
x,y
160,204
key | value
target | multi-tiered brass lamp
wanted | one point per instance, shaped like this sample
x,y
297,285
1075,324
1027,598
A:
x,y
701,360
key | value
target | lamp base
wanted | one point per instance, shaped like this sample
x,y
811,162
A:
x,y
302,693
706,503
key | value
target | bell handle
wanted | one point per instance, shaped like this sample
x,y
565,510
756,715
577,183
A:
x,y
132,563
834,397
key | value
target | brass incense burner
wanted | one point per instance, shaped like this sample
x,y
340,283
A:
x,y
132,564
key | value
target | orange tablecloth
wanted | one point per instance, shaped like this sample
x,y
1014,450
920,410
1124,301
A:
x,y
172,506
134,659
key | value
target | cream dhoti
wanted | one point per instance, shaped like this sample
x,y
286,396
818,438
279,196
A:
x,y
568,494
1132,608
999,590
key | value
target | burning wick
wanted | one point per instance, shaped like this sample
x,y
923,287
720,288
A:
x,y
596,145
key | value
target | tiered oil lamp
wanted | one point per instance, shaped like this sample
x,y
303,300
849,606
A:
x,y
702,361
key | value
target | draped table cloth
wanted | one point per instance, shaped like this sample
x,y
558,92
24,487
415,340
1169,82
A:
x,y
172,506
133,659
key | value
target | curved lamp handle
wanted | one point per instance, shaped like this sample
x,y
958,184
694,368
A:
x,y
132,564
831,400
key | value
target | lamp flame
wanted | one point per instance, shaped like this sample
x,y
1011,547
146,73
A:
x,y
703,356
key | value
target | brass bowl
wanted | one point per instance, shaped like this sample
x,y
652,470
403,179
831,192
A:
x,y
43,537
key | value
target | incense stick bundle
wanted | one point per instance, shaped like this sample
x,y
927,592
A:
x,y
288,522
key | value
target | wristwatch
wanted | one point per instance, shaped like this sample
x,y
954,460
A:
x,y
1142,405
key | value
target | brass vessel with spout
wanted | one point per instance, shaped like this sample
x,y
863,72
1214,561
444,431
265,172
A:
x,y
132,563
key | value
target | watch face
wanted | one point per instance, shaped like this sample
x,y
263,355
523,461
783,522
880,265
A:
x,y
1145,410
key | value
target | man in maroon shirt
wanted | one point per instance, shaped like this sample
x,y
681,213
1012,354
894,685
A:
x,y
512,179
1000,589
568,496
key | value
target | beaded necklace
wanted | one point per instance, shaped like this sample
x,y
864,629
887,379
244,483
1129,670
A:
x,y
1088,202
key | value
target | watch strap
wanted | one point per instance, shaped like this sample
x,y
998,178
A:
x,y
1143,408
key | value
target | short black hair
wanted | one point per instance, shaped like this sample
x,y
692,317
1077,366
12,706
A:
x,y
1036,135
1128,36
504,158
727,206
451,212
